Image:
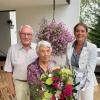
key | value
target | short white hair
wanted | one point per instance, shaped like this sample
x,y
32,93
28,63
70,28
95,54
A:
x,y
23,26
43,43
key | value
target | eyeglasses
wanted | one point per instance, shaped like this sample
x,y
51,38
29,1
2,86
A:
x,y
26,34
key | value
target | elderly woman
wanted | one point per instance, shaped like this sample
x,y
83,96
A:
x,y
41,65
81,56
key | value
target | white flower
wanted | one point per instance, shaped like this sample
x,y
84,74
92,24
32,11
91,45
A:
x,y
57,95
50,75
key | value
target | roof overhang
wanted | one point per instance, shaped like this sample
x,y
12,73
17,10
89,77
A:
x,y
14,4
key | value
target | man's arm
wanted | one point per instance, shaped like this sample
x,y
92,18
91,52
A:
x,y
11,87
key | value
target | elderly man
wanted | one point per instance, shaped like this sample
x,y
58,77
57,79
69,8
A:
x,y
41,65
19,57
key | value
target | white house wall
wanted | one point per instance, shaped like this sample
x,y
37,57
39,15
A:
x,y
69,14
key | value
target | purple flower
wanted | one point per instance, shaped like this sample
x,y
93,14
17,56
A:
x,y
58,35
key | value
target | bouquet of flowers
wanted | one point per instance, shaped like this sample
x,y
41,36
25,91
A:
x,y
59,85
57,34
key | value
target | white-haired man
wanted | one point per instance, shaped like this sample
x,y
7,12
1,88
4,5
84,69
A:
x,y
41,65
19,57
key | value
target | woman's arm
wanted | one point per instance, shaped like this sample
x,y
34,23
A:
x,y
31,75
91,65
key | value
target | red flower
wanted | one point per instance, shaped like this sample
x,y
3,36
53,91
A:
x,y
56,85
68,90
62,97
53,98
57,79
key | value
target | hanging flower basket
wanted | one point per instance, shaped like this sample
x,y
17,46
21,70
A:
x,y
57,34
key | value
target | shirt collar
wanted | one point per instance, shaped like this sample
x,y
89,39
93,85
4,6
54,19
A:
x,y
21,46
49,64
84,45
36,62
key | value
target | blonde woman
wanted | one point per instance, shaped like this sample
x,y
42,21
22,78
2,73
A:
x,y
81,56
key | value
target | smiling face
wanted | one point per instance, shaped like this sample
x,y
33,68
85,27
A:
x,y
44,53
80,32
26,36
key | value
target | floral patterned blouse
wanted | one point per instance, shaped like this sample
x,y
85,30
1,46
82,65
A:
x,y
33,76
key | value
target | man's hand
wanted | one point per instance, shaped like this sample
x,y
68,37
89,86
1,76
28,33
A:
x,y
11,91
11,87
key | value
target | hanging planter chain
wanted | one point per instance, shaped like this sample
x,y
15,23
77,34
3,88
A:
x,y
56,33
53,11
